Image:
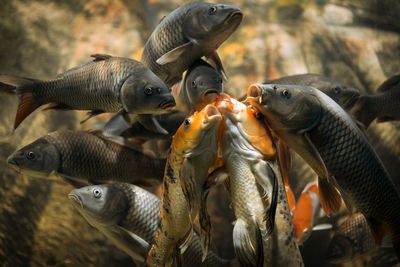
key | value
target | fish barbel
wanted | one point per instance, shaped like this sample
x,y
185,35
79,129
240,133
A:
x,y
193,150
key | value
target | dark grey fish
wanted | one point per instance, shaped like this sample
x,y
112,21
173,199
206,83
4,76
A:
x,y
200,80
383,105
328,139
107,84
186,34
342,94
85,156
352,239
129,215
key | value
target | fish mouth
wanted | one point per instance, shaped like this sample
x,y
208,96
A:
x,y
167,104
75,199
14,164
210,91
236,15
212,113
349,103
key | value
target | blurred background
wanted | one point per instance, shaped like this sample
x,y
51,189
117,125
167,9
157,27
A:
x,y
356,42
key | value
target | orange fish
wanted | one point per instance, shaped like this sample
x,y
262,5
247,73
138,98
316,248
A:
x,y
306,211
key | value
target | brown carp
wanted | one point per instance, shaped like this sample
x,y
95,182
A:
x,y
107,84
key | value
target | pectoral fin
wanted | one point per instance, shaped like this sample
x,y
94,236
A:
x,y
173,55
312,156
134,245
215,60
118,123
188,185
205,224
150,122
186,240
329,196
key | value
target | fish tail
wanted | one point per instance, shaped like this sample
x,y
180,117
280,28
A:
x,y
247,254
7,89
329,196
24,89
363,112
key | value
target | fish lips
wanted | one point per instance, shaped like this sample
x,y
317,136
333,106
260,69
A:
x,y
75,199
167,104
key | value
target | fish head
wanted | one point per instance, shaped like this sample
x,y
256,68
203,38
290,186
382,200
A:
x,y
342,94
287,108
40,158
201,81
198,132
145,93
100,204
211,23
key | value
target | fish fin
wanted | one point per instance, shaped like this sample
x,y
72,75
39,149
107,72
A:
x,y
100,57
377,230
291,199
285,161
316,163
56,106
322,227
177,89
384,119
118,123
91,114
137,246
7,89
24,89
215,60
389,83
247,254
205,224
329,196
186,240
173,55
188,184
161,19
150,122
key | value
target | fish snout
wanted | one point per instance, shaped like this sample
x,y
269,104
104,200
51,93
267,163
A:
x,y
212,113
168,103
236,14
11,160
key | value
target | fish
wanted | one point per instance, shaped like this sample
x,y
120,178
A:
x,y
306,212
328,139
130,215
285,164
200,80
186,34
352,239
84,156
193,150
247,146
6,89
383,106
106,84
342,94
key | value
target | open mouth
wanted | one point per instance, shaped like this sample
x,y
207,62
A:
x,y
211,91
236,15
76,199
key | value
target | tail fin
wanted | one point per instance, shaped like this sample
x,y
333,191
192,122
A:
x,y
23,88
6,89
247,254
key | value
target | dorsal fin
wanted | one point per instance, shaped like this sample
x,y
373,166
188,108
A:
x,y
100,57
389,83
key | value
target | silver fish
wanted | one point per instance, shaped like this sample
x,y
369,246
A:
x,y
328,139
130,215
186,34
107,84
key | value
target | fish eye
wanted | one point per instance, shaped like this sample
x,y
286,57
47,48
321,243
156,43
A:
x,y
212,10
337,90
148,90
259,116
97,192
285,93
30,155
194,85
186,123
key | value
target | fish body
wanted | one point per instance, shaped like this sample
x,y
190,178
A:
x,y
186,34
201,79
107,84
193,150
352,239
247,144
136,220
306,212
328,139
86,156
384,105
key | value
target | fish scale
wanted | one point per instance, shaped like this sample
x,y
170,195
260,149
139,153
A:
x,y
77,87
357,169
143,218
87,155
